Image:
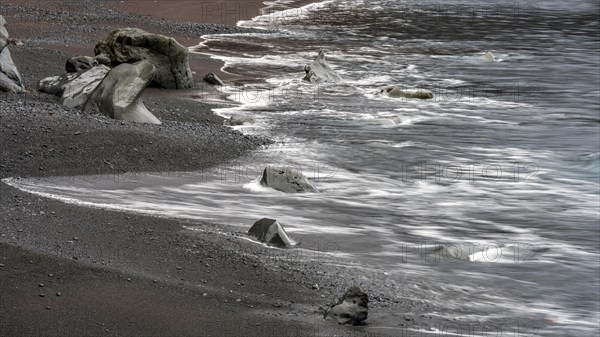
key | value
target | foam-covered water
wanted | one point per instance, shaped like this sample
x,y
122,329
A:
x,y
487,194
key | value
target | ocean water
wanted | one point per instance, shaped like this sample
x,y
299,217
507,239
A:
x,y
486,197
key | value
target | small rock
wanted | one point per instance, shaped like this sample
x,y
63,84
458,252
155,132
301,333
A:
x,y
42,295
58,294
41,285
315,286
128,279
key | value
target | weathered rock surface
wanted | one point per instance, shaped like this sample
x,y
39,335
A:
x,y
10,79
286,180
79,63
240,120
271,232
352,308
78,90
489,56
119,94
55,85
319,71
4,37
213,79
171,60
408,93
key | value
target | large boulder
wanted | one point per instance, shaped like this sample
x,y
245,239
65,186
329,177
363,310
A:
x,y
352,308
10,79
171,60
78,90
79,63
55,85
319,71
119,94
408,92
286,180
271,232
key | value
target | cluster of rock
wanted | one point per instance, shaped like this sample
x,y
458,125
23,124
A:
x,y
352,307
112,82
319,71
10,79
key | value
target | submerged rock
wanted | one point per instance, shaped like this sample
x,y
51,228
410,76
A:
x,y
240,120
286,180
211,78
80,63
320,71
271,232
408,93
352,308
119,94
10,78
489,56
171,60
78,90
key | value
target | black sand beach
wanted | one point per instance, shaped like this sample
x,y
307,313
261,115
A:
x,y
75,271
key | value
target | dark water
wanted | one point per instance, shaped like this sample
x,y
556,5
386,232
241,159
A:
x,y
502,165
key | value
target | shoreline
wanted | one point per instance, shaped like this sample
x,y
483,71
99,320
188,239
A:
x,y
76,271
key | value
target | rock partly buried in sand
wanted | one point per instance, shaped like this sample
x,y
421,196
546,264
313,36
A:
x,y
271,232
10,79
80,63
286,180
55,85
129,45
319,71
408,93
79,89
119,94
240,120
352,308
211,78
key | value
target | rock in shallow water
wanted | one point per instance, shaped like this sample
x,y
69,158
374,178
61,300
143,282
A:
x,y
352,308
240,120
119,94
211,78
271,232
319,71
171,60
408,93
286,180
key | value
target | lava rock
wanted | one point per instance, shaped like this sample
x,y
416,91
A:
x,y
211,78
10,78
352,308
240,120
271,232
130,45
286,180
320,71
80,63
407,92
79,89
119,94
